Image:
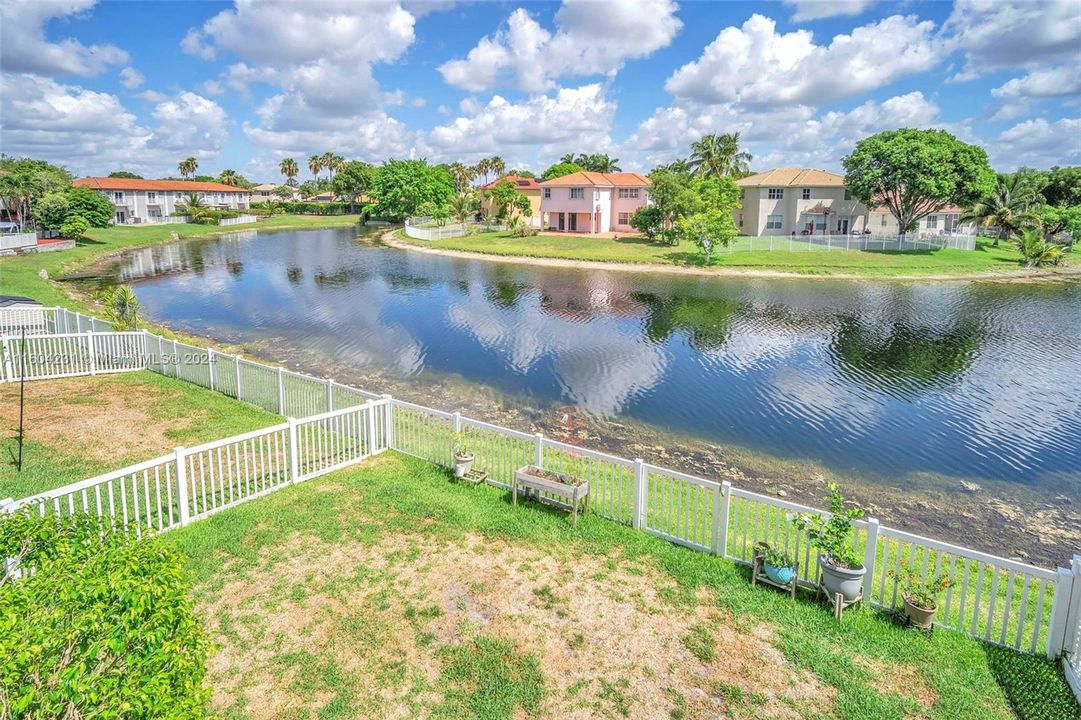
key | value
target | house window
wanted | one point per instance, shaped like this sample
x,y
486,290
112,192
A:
x,y
932,222
625,193
774,222
624,218
883,220
806,193
776,194
151,197
848,195
741,219
547,193
578,193
118,196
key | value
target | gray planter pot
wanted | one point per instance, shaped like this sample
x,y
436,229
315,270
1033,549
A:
x,y
462,463
841,580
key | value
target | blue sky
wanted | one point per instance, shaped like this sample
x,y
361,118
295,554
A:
x,y
101,86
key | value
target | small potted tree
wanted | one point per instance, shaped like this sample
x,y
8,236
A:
x,y
842,568
463,455
920,596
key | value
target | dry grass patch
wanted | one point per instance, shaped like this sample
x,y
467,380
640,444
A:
x,y
368,626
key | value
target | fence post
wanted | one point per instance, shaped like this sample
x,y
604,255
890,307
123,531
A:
x,y
144,349
722,503
371,427
1073,618
281,393
176,359
457,423
1057,629
236,364
870,552
330,394
90,351
182,486
294,465
210,366
640,489
9,363
388,419
538,458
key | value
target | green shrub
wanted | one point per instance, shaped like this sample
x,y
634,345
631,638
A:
x,y
102,628
75,227
1035,686
91,205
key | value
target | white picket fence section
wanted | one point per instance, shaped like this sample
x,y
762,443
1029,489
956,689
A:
x,y
238,220
1000,601
831,243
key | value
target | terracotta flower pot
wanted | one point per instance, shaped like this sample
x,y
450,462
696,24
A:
x,y
918,616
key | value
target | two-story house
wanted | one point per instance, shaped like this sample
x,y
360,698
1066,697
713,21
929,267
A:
x,y
592,202
527,186
269,191
152,201
802,201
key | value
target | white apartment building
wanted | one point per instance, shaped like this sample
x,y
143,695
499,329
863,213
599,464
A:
x,y
140,201
802,201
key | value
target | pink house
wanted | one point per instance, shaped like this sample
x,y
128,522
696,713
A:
x,y
592,202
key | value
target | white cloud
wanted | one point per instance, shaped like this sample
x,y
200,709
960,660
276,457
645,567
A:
x,y
758,67
25,49
592,38
92,132
131,78
997,34
580,117
1055,81
818,9
1037,143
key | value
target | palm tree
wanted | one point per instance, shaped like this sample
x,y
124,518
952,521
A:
x,y
187,167
289,168
230,177
329,162
483,167
1007,209
568,158
461,176
497,165
315,164
603,163
193,207
1037,250
719,156
462,206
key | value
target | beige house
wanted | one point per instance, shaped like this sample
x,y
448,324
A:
x,y
525,185
266,191
800,201
155,201
947,221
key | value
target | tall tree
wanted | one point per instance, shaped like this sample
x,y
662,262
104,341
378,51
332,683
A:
x,y
231,177
498,165
353,180
315,164
1063,187
560,169
1007,209
288,168
569,158
461,175
916,173
187,167
402,186
719,156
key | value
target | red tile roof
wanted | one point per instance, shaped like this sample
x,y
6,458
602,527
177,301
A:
x,y
520,182
598,179
103,183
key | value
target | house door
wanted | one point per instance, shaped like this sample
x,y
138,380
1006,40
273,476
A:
x,y
121,217
561,228
844,226
574,222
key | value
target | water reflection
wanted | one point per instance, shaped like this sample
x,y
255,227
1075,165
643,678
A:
x,y
966,379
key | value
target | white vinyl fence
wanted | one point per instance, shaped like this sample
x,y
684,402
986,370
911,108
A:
x,y
1000,601
416,228
238,220
829,243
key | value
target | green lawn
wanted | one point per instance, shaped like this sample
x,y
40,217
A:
x,y
389,590
805,261
19,275
80,427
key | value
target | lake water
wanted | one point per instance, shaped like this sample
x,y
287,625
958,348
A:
x,y
876,379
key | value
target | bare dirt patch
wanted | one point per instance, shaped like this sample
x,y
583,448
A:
x,y
94,417
903,680
609,635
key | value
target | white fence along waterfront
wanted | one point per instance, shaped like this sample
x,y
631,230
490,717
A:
x,y
829,243
414,229
238,220
1001,601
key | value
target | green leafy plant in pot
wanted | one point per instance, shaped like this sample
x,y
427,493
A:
x,y
778,566
832,533
920,595
463,455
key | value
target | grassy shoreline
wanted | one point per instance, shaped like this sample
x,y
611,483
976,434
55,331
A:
x,y
19,275
636,253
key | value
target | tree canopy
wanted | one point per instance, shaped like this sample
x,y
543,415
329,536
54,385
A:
x,y
125,174
402,186
916,173
354,179
506,199
560,169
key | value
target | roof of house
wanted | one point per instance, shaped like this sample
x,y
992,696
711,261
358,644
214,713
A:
x,y
520,182
268,187
104,183
787,177
599,179
17,301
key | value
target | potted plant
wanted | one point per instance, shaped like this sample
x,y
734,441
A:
x,y
463,456
778,566
920,596
831,533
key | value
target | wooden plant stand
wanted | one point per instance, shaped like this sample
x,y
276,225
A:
x,y
574,494
758,575
838,600
475,477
